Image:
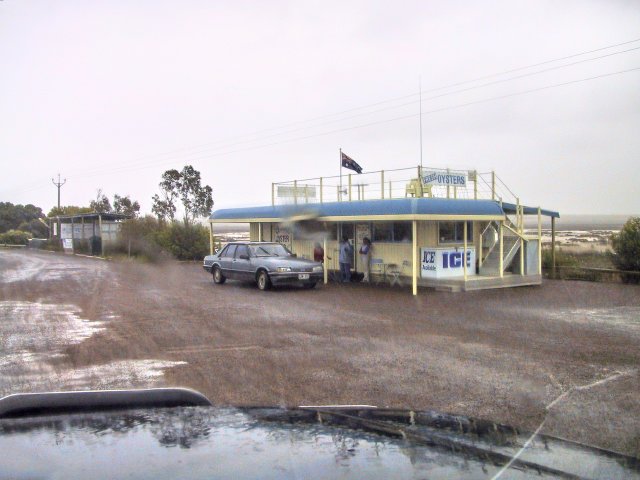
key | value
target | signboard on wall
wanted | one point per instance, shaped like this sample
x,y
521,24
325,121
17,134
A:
x,y
282,235
362,230
451,179
446,262
66,230
67,245
300,191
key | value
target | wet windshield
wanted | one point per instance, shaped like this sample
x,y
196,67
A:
x,y
269,250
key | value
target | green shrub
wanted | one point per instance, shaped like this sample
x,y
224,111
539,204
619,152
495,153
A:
x,y
626,248
563,259
151,239
184,242
15,237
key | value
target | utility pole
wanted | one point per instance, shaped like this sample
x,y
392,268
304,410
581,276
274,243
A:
x,y
59,184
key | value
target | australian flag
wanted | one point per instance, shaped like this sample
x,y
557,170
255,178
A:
x,y
350,163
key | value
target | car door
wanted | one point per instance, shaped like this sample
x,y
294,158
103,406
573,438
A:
x,y
242,263
226,261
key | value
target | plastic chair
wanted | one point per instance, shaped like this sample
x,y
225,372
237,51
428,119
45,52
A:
x,y
376,267
396,272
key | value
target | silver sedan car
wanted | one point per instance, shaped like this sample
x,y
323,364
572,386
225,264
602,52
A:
x,y
266,263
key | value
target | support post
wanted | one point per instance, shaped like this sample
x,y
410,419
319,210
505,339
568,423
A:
x,y
72,236
553,247
390,190
259,231
448,187
382,184
475,184
464,254
521,256
539,241
349,187
414,263
100,231
295,192
501,263
211,238
320,189
324,259
273,194
480,249
518,214
493,185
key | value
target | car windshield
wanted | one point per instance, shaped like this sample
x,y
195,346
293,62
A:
x,y
269,250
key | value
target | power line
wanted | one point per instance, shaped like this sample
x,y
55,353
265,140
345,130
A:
x,y
226,143
392,107
379,122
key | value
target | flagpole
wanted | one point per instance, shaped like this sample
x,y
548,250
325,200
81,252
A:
x,y
420,88
340,190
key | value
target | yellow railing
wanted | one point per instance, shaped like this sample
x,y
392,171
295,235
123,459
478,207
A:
x,y
389,184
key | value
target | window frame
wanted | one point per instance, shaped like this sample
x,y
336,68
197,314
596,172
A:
x,y
457,224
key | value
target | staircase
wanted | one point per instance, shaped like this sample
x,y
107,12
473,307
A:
x,y
491,263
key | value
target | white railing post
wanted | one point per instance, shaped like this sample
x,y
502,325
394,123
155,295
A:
x,y
349,187
320,189
382,184
501,263
493,185
273,194
295,192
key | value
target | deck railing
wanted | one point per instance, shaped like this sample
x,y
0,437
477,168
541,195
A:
x,y
388,184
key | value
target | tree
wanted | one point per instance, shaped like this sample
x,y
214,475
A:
x,y
22,217
165,207
125,206
68,210
626,246
186,185
101,204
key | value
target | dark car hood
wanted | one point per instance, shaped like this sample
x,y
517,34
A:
x,y
319,442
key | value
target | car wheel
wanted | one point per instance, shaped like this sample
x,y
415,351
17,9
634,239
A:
x,y
217,276
263,280
309,286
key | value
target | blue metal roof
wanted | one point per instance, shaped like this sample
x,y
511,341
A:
x,y
368,208
511,208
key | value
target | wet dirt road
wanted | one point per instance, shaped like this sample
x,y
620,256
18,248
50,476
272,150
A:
x,y
567,351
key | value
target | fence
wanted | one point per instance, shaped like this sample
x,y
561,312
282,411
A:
x,y
396,183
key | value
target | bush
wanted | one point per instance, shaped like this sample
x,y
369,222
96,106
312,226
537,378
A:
x,y
15,237
149,238
185,242
626,248
562,259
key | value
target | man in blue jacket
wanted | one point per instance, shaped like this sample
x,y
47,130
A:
x,y
346,254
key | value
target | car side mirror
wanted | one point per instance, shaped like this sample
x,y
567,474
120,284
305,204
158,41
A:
x,y
244,257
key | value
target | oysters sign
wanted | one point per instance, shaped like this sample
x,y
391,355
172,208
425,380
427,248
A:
x,y
446,262
453,179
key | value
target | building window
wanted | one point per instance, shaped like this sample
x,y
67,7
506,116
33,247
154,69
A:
x,y
453,232
392,232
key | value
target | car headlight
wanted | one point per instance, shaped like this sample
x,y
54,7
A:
x,y
283,269
317,268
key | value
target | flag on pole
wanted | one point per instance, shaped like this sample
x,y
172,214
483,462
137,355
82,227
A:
x,y
350,163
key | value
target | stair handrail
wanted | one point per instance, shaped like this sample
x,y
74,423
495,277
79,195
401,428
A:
x,y
495,242
521,235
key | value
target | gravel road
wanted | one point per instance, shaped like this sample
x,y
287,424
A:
x,y
567,352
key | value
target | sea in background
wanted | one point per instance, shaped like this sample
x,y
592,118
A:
x,y
573,232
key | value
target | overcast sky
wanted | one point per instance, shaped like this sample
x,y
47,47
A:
x,y
112,93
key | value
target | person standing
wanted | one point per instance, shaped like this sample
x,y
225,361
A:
x,y
346,252
365,257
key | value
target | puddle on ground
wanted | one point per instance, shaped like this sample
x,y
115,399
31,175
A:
x,y
28,266
34,335
619,317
